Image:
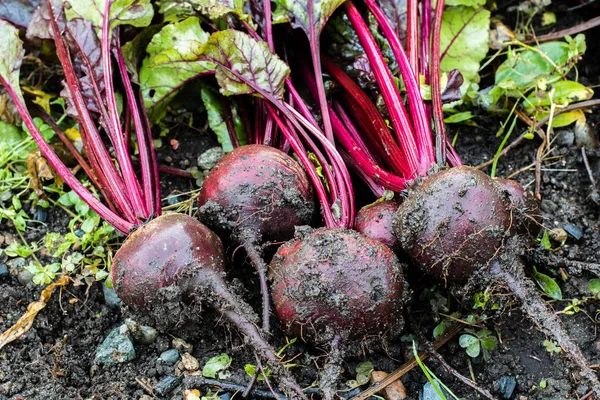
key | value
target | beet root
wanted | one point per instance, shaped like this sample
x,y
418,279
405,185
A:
x,y
175,251
337,282
453,223
257,188
509,270
257,193
375,221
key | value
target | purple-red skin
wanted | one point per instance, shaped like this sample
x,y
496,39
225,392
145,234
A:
x,y
337,282
526,217
454,223
171,250
259,189
375,221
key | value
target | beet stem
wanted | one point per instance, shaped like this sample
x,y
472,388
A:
x,y
546,320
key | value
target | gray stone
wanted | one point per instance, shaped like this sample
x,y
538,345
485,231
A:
x,y
209,158
169,357
565,137
3,270
507,385
110,297
429,393
116,348
24,277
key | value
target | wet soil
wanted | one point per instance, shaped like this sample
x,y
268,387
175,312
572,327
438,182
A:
x,y
55,359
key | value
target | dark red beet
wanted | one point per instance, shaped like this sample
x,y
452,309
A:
x,y
257,188
526,215
176,252
257,193
337,282
453,223
375,221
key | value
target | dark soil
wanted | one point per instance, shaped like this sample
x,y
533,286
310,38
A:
x,y
55,359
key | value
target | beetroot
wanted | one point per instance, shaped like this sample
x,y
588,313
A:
x,y
459,224
337,282
336,285
177,253
257,193
453,223
375,221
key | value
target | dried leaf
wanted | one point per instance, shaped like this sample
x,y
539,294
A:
x,y
26,321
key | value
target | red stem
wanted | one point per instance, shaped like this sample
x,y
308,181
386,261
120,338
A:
x,y
132,186
415,100
95,149
104,212
399,118
142,140
370,120
412,34
436,92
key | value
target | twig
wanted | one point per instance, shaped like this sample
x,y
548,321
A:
x,y
431,350
194,381
584,26
587,166
408,366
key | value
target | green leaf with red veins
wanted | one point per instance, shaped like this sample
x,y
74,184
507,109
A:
x,y
298,13
137,13
244,65
12,52
173,59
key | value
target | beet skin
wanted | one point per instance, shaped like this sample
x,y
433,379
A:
x,y
337,282
171,250
454,222
259,189
375,221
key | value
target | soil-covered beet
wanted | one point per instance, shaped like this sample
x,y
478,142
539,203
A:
x,y
173,250
454,222
337,282
257,188
375,221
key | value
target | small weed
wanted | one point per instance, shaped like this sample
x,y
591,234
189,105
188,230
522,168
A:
x,y
477,342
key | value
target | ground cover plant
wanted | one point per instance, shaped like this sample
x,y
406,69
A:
x,y
321,106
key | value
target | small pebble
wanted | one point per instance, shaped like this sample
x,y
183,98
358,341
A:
x,y
169,357
24,277
116,348
182,345
141,334
3,270
40,214
225,396
189,362
110,297
429,393
558,235
548,206
574,231
209,158
167,385
507,385
565,137
79,233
